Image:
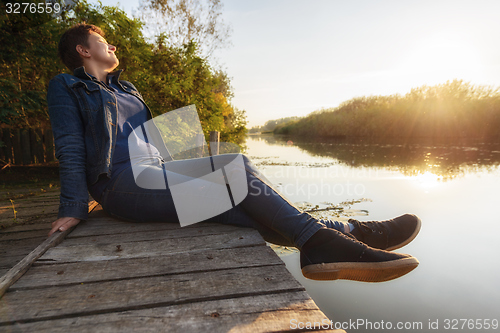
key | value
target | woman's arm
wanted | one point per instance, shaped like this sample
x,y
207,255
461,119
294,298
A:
x,y
69,139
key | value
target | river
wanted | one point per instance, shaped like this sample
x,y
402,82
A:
x,y
453,187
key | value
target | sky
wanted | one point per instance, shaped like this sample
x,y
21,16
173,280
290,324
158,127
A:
x,y
293,57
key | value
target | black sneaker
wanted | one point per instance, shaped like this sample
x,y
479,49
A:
x,y
331,255
387,235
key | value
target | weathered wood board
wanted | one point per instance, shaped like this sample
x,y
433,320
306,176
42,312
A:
x,y
115,276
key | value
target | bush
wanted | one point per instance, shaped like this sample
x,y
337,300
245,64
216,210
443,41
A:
x,y
452,109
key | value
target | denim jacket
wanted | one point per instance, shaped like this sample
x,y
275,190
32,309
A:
x,y
83,115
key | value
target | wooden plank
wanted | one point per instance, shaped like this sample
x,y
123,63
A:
x,y
16,145
33,208
111,226
25,146
48,141
3,160
93,271
32,140
6,206
252,314
4,270
92,298
35,218
18,270
102,224
154,280
26,228
22,266
241,238
24,234
42,197
31,202
111,237
8,146
7,263
13,247
26,213
36,137
11,261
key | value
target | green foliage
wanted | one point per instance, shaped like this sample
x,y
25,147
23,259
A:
x,y
168,77
180,77
271,125
28,60
452,109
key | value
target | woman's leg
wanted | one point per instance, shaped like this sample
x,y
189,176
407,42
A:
x,y
272,210
264,209
237,216
325,254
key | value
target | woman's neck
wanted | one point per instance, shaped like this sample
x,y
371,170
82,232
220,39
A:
x,y
98,73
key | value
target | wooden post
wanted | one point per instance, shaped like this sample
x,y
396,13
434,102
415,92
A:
x,y
32,138
200,145
2,148
16,145
7,149
38,147
214,142
25,146
48,141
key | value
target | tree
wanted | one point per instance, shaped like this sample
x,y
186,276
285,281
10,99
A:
x,y
455,109
28,59
184,21
169,77
272,124
180,77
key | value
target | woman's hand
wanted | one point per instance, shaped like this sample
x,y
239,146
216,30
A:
x,y
63,223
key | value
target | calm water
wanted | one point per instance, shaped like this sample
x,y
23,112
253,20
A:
x,y
452,187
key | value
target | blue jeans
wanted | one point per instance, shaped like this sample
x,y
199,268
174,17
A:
x,y
264,209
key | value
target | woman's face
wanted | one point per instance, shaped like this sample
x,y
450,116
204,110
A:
x,y
102,53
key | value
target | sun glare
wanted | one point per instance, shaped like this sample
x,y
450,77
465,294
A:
x,y
444,56
428,179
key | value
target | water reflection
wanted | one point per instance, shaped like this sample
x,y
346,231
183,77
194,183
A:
x,y
437,160
457,247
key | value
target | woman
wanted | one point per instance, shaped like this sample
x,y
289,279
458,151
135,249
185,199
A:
x,y
92,113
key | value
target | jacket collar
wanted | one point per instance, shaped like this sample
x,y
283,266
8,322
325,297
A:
x,y
82,74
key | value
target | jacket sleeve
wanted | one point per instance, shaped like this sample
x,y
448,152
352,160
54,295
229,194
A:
x,y
69,139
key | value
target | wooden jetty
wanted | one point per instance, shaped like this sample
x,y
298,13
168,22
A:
x,y
113,276
24,224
